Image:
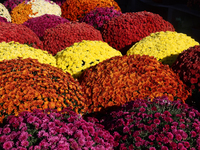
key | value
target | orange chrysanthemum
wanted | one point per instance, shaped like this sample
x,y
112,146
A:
x,y
75,9
121,79
27,84
24,9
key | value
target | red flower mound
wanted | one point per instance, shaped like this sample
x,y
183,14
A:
x,y
125,78
64,35
19,33
187,65
125,30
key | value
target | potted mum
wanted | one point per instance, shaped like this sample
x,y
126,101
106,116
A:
x,y
157,124
50,130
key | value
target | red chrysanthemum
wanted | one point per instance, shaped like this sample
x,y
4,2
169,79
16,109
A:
x,y
41,23
187,66
125,30
64,35
19,33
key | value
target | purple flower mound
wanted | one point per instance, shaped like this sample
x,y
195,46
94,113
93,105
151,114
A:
x,y
99,16
40,24
49,129
158,124
10,4
2,19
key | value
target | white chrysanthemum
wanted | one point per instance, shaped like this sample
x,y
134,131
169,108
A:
x,y
4,12
41,7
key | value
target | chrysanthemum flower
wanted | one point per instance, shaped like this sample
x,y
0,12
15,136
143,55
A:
x,y
164,46
124,31
125,78
27,84
80,56
76,9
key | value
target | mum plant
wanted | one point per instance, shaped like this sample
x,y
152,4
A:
x,y
124,31
52,130
99,16
27,84
82,55
4,12
164,46
34,8
187,67
64,35
154,124
75,9
121,79
13,50
41,23
19,33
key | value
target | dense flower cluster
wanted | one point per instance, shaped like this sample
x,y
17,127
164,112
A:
x,y
52,130
125,30
164,46
5,13
76,9
40,24
19,33
2,19
21,12
64,35
10,4
125,78
27,84
158,124
13,50
80,56
99,16
32,9
187,67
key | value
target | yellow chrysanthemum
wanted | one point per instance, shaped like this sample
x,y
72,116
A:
x,y
80,56
13,50
4,12
165,46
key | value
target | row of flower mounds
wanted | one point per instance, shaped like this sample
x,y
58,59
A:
x,y
145,124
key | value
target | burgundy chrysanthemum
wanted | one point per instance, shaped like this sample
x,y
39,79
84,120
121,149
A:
x,y
19,33
123,31
64,35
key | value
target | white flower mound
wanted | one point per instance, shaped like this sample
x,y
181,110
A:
x,y
4,12
41,7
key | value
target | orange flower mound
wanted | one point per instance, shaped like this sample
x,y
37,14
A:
x,y
22,8
27,84
76,9
121,79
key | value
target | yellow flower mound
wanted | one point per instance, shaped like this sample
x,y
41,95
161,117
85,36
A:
x,y
13,50
4,12
165,46
80,56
